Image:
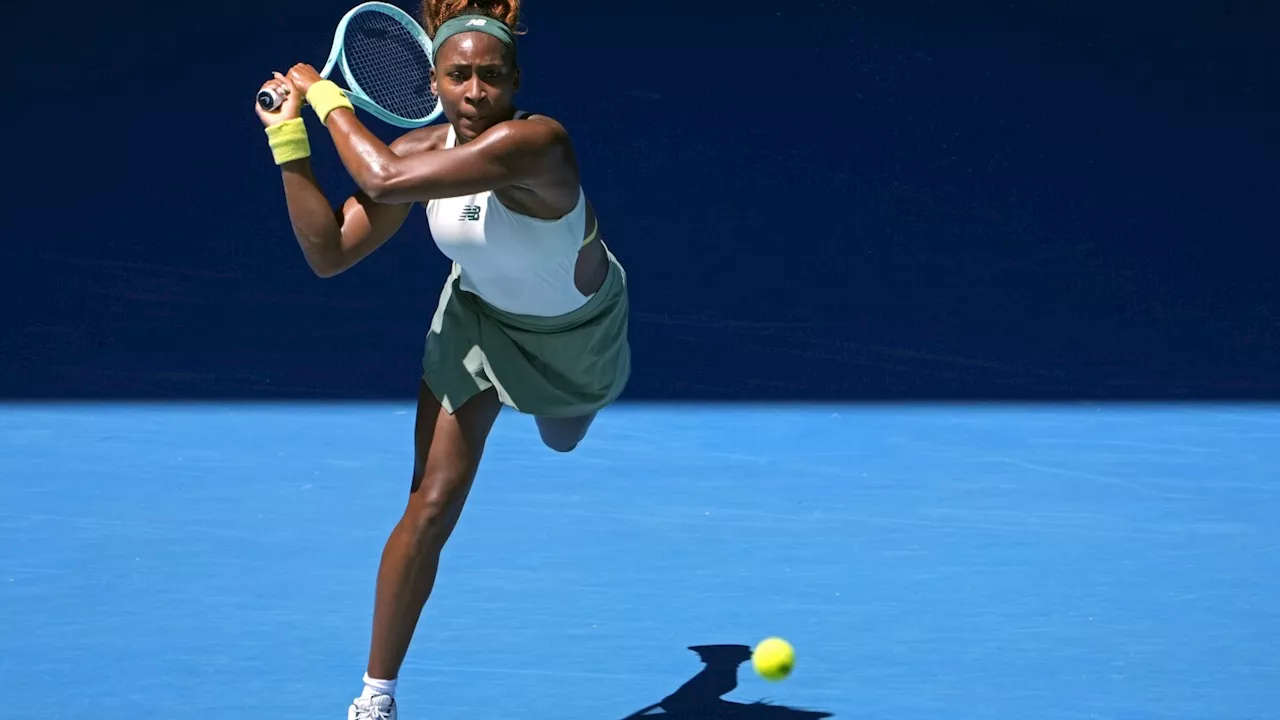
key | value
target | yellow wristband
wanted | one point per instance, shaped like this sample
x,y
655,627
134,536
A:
x,y
288,141
325,96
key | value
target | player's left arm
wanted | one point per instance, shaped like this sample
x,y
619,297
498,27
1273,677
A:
x,y
510,153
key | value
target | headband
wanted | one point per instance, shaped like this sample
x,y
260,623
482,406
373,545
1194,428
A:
x,y
472,23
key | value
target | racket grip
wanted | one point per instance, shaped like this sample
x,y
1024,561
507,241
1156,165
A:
x,y
269,99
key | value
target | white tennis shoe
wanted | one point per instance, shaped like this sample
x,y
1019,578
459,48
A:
x,y
378,707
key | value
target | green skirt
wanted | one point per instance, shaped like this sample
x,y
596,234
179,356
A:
x,y
565,366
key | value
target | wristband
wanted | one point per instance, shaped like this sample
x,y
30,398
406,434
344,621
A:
x,y
325,96
288,141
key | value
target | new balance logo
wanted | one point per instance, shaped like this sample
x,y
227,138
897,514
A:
x,y
479,22
470,212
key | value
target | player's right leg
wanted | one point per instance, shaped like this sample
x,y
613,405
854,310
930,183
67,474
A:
x,y
447,452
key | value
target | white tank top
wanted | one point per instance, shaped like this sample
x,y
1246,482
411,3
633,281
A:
x,y
515,262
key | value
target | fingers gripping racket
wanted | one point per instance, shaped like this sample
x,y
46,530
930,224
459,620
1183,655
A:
x,y
384,56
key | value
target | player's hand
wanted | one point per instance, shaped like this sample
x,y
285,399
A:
x,y
303,76
289,109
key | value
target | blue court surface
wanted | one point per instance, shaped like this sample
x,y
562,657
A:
x,y
943,562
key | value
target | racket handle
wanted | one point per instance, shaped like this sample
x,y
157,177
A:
x,y
269,99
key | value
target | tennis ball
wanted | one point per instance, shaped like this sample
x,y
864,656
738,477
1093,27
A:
x,y
774,658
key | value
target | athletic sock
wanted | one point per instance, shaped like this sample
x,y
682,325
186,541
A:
x,y
373,686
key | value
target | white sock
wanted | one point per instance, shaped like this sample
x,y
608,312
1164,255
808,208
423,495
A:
x,y
373,686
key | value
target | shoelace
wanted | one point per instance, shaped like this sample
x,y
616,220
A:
x,y
368,711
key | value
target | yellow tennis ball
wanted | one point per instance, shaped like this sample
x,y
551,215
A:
x,y
774,658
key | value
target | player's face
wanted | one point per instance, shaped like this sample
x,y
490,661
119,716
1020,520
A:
x,y
476,83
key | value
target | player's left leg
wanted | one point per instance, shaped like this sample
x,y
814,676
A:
x,y
564,434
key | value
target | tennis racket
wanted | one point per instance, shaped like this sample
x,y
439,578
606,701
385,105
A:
x,y
384,57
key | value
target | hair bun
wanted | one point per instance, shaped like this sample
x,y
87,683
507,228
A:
x,y
437,12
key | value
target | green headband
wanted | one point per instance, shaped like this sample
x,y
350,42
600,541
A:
x,y
472,23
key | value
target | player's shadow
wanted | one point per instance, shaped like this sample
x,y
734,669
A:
x,y
702,696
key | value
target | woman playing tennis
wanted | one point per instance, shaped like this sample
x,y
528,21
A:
x,y
534,314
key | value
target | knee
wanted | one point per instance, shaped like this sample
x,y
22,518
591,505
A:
x,y
433,508
563,435
560,444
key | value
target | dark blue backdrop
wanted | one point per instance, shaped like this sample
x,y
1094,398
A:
x,y
823,201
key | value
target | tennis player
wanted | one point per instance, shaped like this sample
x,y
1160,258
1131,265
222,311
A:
x,y
534,314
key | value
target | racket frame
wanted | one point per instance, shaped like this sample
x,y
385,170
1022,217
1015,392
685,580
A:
x,y
269,99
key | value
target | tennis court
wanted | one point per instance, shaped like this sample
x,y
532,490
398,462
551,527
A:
x,y
985,561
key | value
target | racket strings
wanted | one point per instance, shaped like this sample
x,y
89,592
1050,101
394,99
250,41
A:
x,y
389,64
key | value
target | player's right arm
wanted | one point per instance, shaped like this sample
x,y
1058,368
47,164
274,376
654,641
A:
x,y
334,240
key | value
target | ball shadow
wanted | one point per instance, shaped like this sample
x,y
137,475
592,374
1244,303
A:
x,y
702,696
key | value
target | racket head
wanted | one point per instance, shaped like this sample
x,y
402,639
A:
x,y
384,56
